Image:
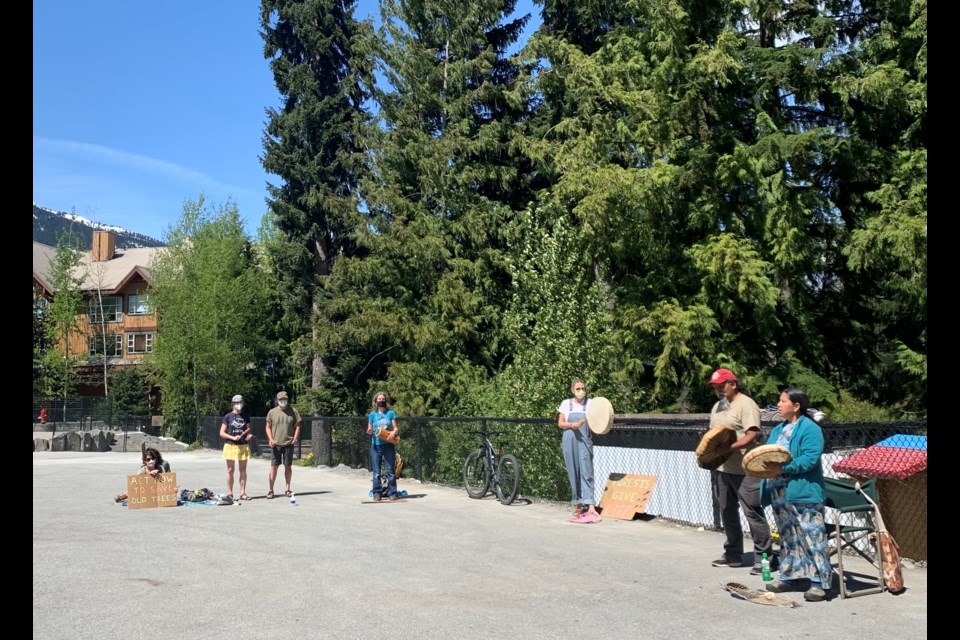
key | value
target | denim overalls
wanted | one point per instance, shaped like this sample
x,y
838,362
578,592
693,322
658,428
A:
x,y
578,456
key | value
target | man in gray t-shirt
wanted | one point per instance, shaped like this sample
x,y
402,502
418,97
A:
x,y
732,486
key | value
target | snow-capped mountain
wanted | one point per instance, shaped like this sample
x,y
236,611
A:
x,y
49,225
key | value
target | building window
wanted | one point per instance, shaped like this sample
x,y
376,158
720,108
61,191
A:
x,y
112,309
139,305
111,346
140,343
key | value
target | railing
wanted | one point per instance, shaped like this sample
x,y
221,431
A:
x,y
434,449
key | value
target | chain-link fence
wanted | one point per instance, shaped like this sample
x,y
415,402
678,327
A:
x,y
86,413
433,450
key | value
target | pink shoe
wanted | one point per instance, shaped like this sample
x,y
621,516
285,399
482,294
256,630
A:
x,y
586,518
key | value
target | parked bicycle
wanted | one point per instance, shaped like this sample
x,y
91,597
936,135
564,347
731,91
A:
x,y
488,465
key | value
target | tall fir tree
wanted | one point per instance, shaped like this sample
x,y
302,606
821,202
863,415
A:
x,y
314,142
424,292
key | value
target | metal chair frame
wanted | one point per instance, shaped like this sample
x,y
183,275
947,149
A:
x,y
845,499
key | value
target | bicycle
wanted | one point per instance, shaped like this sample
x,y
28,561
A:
x,y
487,466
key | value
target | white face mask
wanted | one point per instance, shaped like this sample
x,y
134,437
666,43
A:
x,y
580,393
283,403
238,406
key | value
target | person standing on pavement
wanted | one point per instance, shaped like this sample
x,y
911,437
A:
x,y
235,428
796,495
577,445
283,432
733,488
382,421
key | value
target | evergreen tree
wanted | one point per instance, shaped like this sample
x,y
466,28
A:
x,y
706,153
129,392
314,143
423,294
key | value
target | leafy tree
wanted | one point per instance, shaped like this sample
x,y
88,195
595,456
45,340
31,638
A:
x,y
40,302
209,293
60,320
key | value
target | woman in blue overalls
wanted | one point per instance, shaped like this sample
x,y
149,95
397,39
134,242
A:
x,y
578,453
383,450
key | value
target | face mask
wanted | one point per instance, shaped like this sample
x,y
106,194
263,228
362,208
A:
x,y
381,404
238,406
283,403
580,393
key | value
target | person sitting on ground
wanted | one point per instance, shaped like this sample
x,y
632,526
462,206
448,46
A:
x,y
152,463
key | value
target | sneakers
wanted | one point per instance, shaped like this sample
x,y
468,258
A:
x,y
757,569
786,586
586,518
815,594
727,562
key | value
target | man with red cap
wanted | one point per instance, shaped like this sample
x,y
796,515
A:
x,y
733,487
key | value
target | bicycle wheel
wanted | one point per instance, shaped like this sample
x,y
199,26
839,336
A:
x,y
476,475
508,478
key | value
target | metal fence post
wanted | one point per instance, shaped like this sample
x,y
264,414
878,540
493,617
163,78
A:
x,y
418,450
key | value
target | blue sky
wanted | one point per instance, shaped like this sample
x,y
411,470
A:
x,y
139,107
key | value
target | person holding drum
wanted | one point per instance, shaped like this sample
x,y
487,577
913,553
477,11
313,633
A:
x,y
796,495
382,427
577,445
732,486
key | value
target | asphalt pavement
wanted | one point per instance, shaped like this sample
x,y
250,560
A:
x,y
438,565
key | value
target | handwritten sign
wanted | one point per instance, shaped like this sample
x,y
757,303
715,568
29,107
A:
x,y
626,495
150,492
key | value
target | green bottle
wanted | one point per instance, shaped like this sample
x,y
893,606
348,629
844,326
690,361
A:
x,y
765,569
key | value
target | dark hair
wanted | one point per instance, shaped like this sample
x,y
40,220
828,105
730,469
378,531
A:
x,y
157,458
800,397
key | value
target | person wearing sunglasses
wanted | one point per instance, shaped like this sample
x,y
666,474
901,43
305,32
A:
x,y
153,462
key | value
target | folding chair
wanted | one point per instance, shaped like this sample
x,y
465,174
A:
x,y
854,523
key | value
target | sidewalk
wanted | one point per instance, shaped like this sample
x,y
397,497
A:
x,y
439,565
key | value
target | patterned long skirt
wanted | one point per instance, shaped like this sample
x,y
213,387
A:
x,y
803,540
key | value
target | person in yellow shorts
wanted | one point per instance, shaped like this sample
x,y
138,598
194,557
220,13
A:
x,y
235,429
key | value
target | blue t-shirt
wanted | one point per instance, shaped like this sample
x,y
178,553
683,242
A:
x,y
236,423
378,420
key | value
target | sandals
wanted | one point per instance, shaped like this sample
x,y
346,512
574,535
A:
x,y
288,493
244,496
269,495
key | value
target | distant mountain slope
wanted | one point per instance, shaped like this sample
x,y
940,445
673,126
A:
x,y
49,225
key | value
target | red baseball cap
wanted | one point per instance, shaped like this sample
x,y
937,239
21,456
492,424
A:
x,y
722,375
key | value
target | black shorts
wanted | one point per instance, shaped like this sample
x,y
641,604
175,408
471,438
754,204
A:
x,y
282,455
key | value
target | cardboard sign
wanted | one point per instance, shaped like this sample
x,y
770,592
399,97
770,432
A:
x,y
626,495
150,492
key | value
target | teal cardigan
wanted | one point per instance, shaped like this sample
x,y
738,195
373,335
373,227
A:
x,y
804,473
